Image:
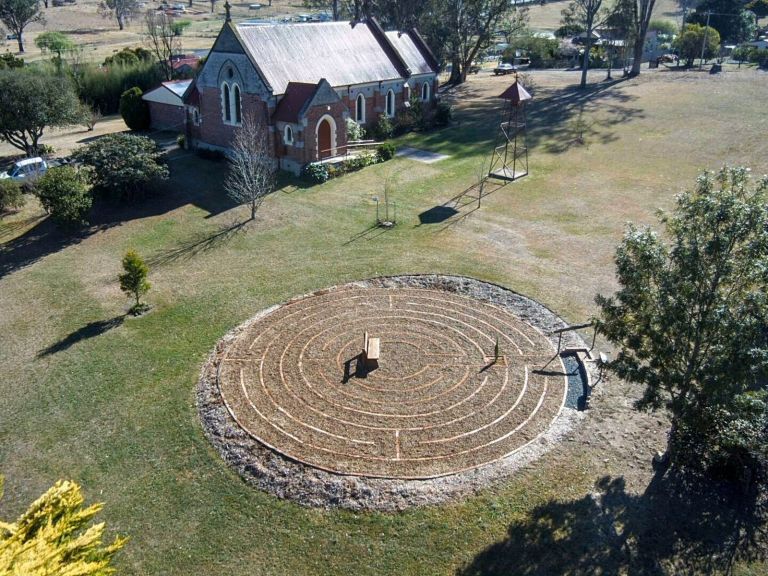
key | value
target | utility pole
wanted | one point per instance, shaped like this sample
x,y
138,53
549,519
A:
x,y
704,41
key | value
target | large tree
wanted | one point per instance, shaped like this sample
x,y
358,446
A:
x,y
643,13
251,166
466,27
30,102
690,317
728,17
56,537
121,10
18,14
589,14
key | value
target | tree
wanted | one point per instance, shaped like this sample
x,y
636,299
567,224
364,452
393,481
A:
x,y
642,19
728,17
663,27
122,10
162,39
56,537
30,102
134,110
758,7
589,15
251,167
133,281
690,317
65,194
56,42
689,43
467,26
18,14
124,166
8,60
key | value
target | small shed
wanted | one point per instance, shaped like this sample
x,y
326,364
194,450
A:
x,y
166,109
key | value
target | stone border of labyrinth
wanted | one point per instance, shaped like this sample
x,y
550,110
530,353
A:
x,y
303,476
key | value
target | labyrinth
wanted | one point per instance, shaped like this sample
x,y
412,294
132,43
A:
x,y
440,401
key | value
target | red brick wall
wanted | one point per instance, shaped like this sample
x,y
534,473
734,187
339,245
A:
x,y
166,116
309,133
213,130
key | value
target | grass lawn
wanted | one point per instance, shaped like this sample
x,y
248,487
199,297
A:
x,y
108,401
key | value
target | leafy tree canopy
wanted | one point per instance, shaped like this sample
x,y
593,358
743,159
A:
x,y
728,17
693,36
124,166
30,102
53,41
56,537
690,319
664,27
18,14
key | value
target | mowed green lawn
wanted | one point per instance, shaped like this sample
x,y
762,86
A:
x,y
110,403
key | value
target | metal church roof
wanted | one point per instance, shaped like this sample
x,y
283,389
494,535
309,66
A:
x,y
409,52
341,52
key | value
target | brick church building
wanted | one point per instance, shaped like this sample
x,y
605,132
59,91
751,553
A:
x,y
303,81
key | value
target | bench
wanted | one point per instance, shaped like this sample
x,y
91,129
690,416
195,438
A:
x,y
371,348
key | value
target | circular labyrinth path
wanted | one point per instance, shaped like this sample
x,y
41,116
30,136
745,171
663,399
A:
x,y
438,403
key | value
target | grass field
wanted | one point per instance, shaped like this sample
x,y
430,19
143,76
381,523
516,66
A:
x,y
108,401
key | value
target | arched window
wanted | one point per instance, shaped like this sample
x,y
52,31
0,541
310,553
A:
x,y
360,109
288,135
238,106
425,91
390,104
196,115
407,93
225,102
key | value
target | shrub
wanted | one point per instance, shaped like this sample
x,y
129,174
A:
x,y
404,123
316,172
181,140
129,57
443,114
134,110
11,197
65,194
125,166
384,128
386,151
354,130
46,150
8,60
102,87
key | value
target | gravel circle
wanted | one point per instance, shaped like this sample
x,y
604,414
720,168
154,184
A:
x,y
362,485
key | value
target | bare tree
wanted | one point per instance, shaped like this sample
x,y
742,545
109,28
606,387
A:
x,y
163,39
122,10
251,166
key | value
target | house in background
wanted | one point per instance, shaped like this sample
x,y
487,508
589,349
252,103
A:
x,y
302,81
166,108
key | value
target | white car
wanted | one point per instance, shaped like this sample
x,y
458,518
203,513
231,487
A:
x,y
25,170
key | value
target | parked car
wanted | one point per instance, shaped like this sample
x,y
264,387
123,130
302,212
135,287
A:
x,y
503,69
26,170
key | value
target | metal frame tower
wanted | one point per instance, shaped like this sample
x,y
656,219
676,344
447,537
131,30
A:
x,y
509,160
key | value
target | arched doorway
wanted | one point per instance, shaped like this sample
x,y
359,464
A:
x,y
326,137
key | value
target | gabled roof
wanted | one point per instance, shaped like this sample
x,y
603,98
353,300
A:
x,y
168,92
409,51
296,95
344,53
300,97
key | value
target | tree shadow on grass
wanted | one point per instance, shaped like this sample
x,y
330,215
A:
x,y
677,526
551,116
198,244
90,330
193,181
